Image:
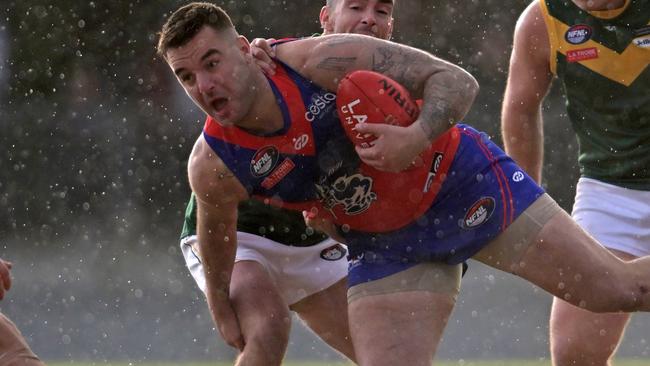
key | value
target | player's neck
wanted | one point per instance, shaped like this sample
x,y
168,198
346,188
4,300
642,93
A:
x,y
265,116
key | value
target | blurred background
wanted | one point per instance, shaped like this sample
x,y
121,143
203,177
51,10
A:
x,y
94,135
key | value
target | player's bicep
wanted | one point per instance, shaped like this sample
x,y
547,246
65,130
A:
x,y
334,57
211,180
529,74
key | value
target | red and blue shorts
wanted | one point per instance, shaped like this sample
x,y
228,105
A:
x,y
483,192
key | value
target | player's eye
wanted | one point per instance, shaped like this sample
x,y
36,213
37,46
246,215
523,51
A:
x,y
186,78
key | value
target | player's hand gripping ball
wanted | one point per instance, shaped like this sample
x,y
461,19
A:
x,y
369,97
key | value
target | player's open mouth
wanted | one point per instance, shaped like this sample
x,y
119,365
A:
x,y
219,104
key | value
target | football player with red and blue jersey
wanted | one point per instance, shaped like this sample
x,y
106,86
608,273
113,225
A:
x,y
279,139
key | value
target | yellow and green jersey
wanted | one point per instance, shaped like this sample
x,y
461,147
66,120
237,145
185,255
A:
x,y
602,59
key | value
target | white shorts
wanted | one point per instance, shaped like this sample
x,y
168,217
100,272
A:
x,y
619,218
297,271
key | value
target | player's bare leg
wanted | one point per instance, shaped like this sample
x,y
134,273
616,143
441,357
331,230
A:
x,y
385,314
580,337
325,313
383,326
568,263
262,313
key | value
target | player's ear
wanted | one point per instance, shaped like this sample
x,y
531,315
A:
x,y
243,44
390,28
324,18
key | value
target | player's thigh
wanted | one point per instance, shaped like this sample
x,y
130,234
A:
x,y
260,308
400,328
554,253
399,319
326,313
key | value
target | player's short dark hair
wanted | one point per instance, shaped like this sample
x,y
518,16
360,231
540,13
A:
x,y
187,21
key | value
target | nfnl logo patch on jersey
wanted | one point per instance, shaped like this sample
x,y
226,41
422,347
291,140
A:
x,y
479,213
582,54
578,34
264,161
333,253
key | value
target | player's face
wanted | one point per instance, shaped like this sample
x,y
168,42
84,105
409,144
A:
x,y
214,69
370,17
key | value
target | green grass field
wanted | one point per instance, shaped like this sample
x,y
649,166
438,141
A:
x,y
312,363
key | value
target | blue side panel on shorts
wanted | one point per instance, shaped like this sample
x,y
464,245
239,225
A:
x,y
483,193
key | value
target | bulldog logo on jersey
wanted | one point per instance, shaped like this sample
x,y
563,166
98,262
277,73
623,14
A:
x,y
264,161
479,213
333,253
353,192
578,34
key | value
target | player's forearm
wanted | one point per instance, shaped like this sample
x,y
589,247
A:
x,y
217,244
523,139
218,261
447,97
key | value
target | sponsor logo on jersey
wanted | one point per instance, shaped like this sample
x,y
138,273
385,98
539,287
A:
x,y
578,34
333,253
479,213
264,161
278,174
518,176
300,142
435,166
643,41
319,102
353,192
582,54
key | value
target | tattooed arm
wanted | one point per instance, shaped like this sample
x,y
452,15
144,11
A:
x,y
446,89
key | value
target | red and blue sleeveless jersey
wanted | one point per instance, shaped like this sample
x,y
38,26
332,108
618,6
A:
x,y
286,167
311,163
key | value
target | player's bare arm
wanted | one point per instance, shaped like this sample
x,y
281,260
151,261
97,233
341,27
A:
x,y
447,90
529,79
218,194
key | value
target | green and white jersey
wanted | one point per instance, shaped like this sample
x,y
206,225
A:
x,y
602,59
280,225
